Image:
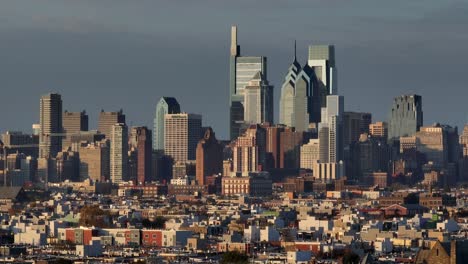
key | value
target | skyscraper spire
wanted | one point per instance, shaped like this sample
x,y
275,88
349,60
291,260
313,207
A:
x,y
295,51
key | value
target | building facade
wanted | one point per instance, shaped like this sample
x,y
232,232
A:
x,y
119,153
50,142
73,124
406,116
181,136
166,105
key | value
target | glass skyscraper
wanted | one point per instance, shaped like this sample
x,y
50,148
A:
x,y
166,105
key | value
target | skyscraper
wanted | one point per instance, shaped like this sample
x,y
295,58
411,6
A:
x,y
331,129
50,142
379,130
108,119
354,124
144,150
242,70
181,136
258,100
322,60
119,153
166,105
406,116
94,161
73,123
300,97
209,157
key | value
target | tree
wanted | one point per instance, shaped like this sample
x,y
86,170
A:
x,y
94,216
158,223
234,257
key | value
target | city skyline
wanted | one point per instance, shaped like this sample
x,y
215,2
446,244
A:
x,y
406,58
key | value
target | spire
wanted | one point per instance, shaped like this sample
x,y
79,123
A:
x,y
234,46
295,51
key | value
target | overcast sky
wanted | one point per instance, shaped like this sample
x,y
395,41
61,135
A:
x,y
112,54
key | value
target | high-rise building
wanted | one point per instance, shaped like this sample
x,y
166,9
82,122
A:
x,y
406,116
107,120
181,136
95,160
144,149
119,153
300,97
354,124
17,142
50,142
242,70
272,145
322,60
310,154
245,154
209,157
463,163
290,148
379,130
166,105
331,129
73,123
258,100
68,166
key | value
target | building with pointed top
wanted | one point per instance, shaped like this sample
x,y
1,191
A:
x,y
166,105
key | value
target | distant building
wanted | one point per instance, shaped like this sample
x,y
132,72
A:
x,y
181,136
258,100
252,184
166,105
50,142
322,61
73,123
310,154
242,70
406,116
95,161
354,124
379,130
119,153
331,130
107,120
144,154
209,157
68,166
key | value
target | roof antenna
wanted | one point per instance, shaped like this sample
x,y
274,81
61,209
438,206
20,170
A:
x,y
295,50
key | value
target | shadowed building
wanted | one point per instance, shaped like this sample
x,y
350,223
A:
x,y
73,124
209,157
119,153
144,153
322,61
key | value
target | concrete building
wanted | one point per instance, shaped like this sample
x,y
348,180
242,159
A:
x,y
119,153
251,183
50,142
379,130
310,154
107,120
258,100
95,161
290,148
73,124
16,141
406,116
144,154
331,130
209,157
181,136
242,70
68,166
166,105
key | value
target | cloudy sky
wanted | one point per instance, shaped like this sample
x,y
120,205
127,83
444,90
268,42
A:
x,y
112,54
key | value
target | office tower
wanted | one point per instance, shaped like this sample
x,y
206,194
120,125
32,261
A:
x,y
406,116
132,165
379,130
463,164
369,154
242,70
68,166
331,129
322,60
181,135
300,97
85,136
73,123
50,142
107,120
354,124
258,133
15,141
95,160
166,105
245,155
290,148
209,157
310,154
272,145
258,100
144,149
119,153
